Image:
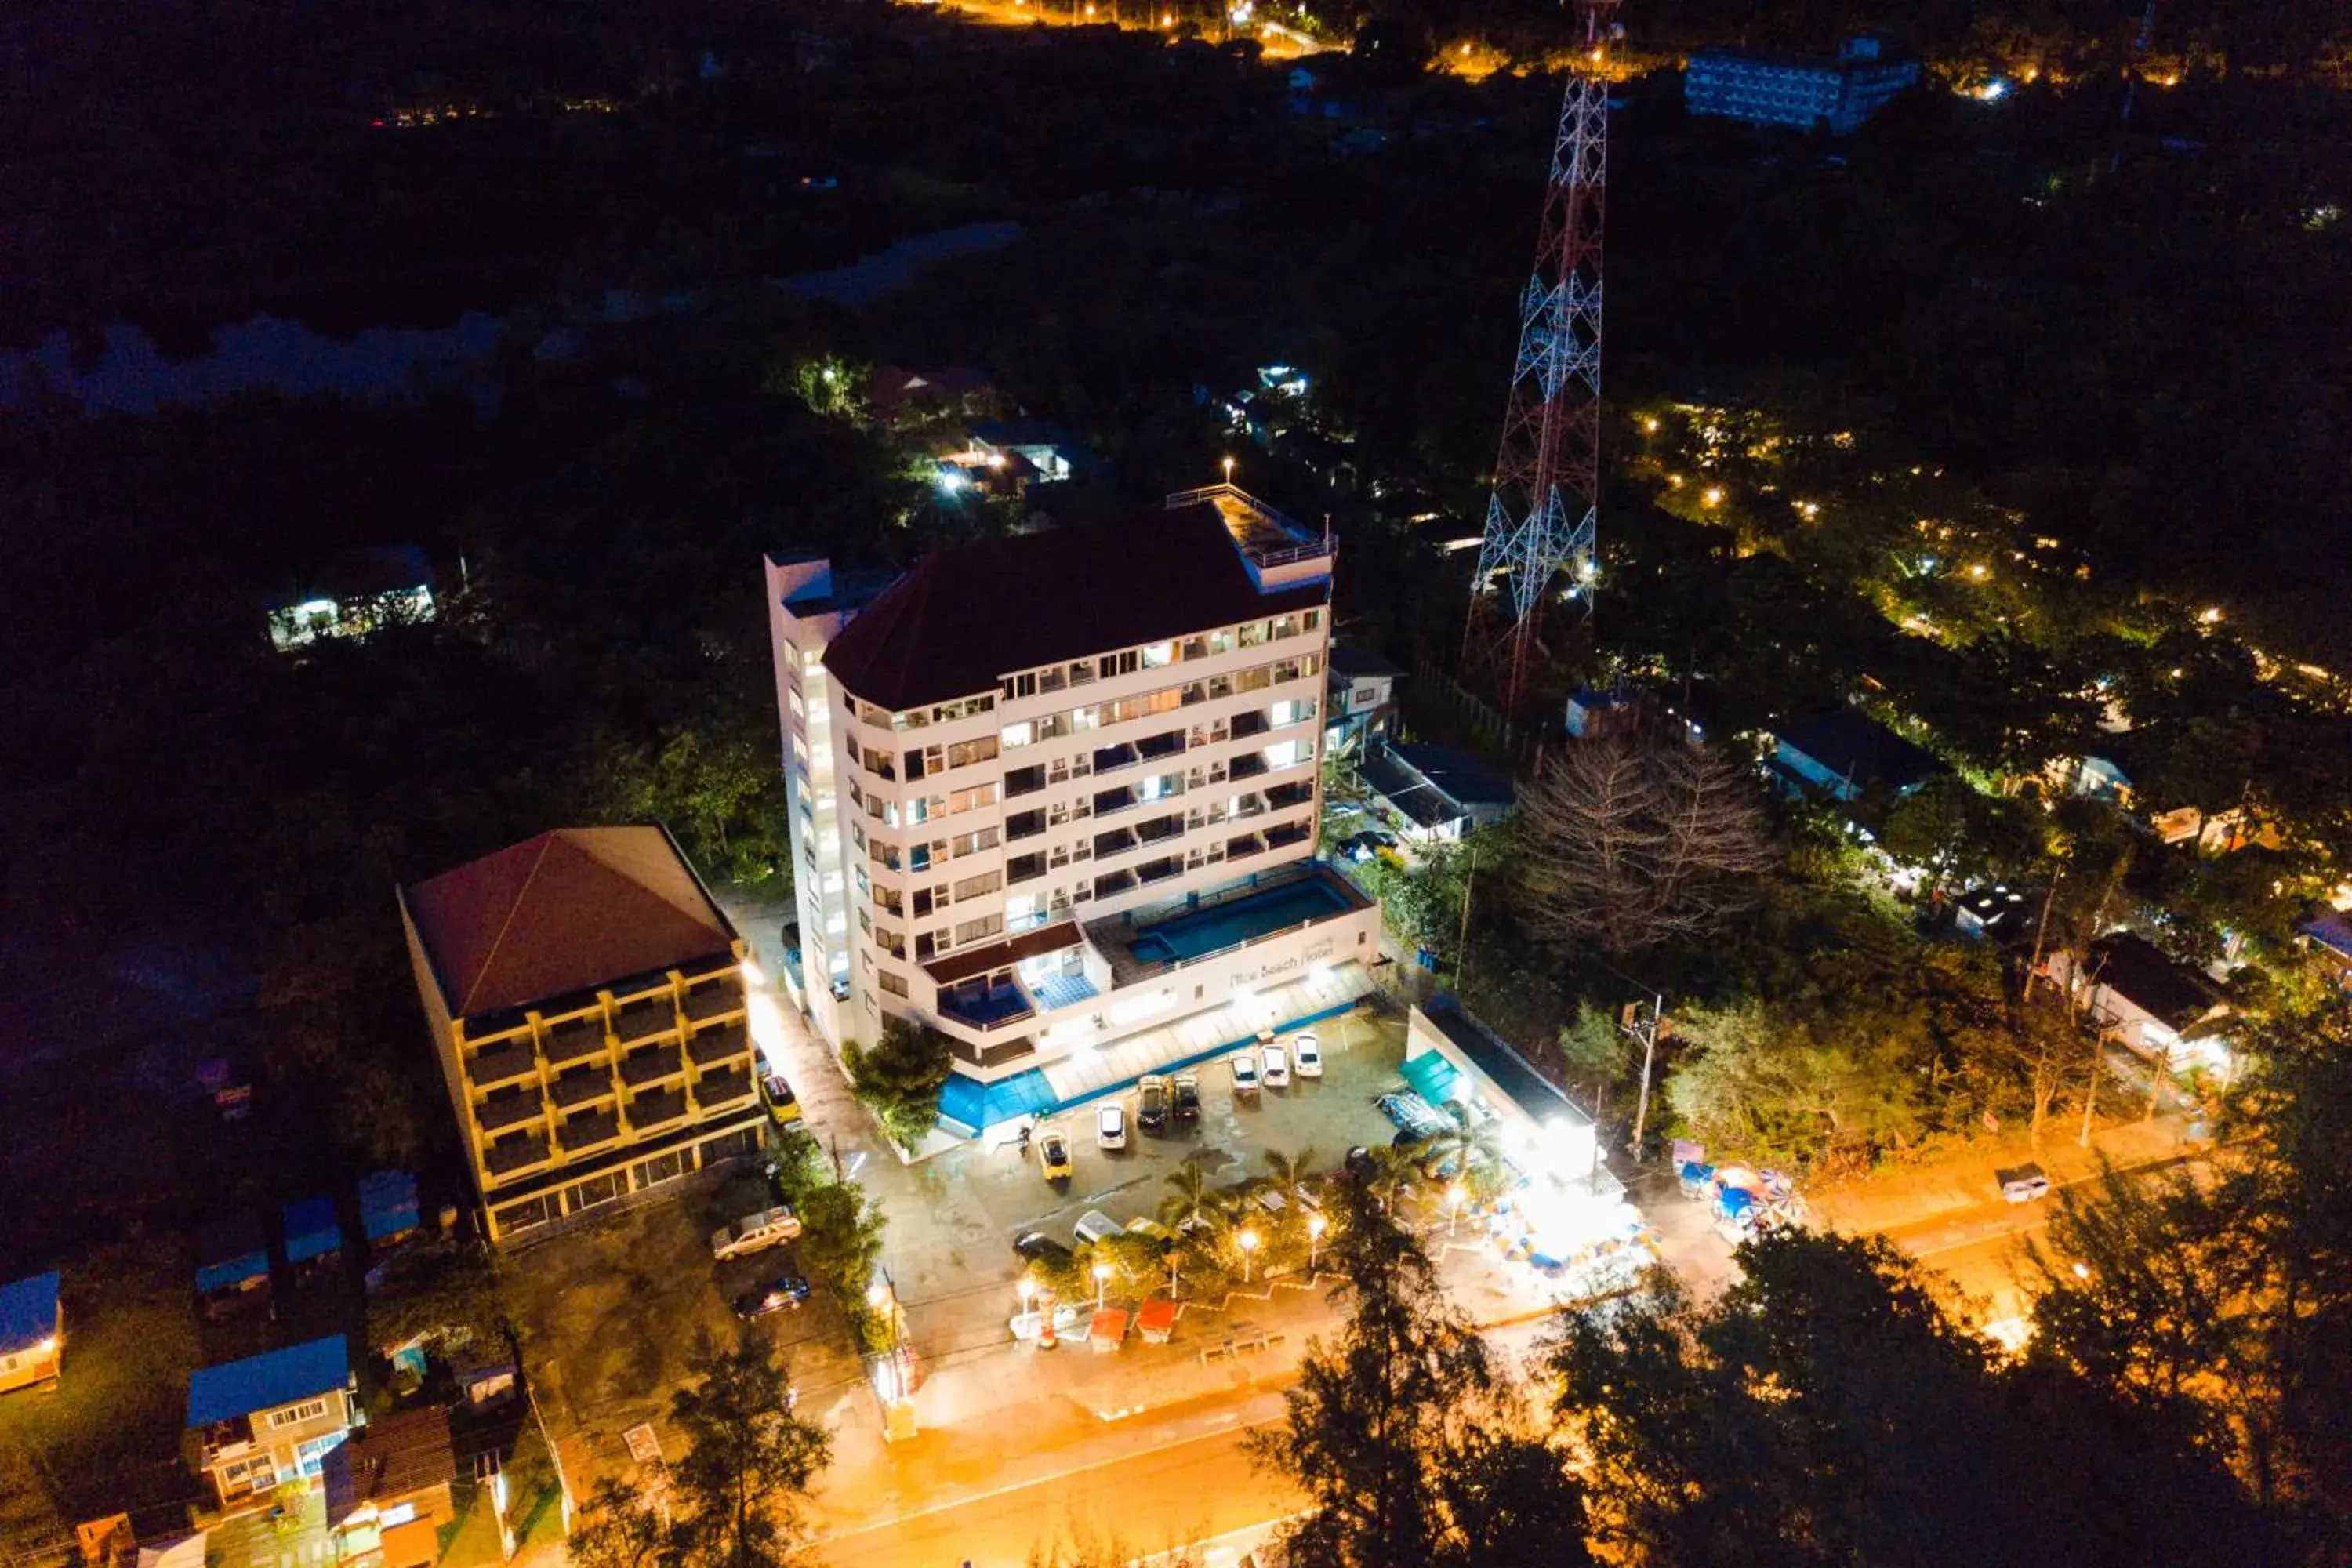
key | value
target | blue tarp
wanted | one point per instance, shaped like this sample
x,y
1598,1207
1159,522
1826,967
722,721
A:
x,y
230,1252
312,1231
387,1204
28,1311
267,1382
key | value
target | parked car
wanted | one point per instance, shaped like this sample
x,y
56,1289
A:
x,y
1185,1103
1277,1066
787,1290
1110,1125
1153,1115
754,1233
1310,1054
1143,1225
1244,1063
781,1104
1097,1226
2022,1184
1053,1155
1037,1246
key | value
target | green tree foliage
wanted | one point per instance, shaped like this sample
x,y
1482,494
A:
x,y
445,1293
2221,1302
1827,1409
1402,1434
900,1077
841,1226
1961,834
735,1495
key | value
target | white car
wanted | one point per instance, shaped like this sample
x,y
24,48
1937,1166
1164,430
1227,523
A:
x,y
754,1233
1110,1125
1277,1067
1244,1065
1309,1062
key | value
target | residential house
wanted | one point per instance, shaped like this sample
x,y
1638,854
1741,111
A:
x,y
1592,714
2330,934
233,1267
1804,92
389,1217
395,1472
268,1421
1053,452
2160,1009
314,1238
32,1332
351,593
1843,751
586,999
1363,700
895,396
1999,913
1430,794
1056,795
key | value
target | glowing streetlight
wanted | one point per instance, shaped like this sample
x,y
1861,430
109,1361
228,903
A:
x,y
1102,1279
877,1295
1650,425
1453,1196
1028,1287
1229,469
2082,1271
1167,18
1711,496
1248,1240
1316,1226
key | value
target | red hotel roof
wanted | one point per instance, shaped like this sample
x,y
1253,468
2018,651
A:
x,y
566,911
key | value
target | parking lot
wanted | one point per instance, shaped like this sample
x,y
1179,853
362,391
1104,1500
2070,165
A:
x,y
611,1312
1328,1115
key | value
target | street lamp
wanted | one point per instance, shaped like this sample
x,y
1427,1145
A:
x,y
1453,1196
1102,1279
1248,1240
1316,1224
1229,469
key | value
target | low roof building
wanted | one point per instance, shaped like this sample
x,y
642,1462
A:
x,y
1844,752
32,1332
1433,792
393,1471
267,1382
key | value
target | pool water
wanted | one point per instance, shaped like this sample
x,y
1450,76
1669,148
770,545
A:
x,y
1182,938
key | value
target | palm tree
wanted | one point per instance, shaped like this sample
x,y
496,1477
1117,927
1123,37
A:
x,y
1290,1172
1191,1201
1468,1153
1395,1172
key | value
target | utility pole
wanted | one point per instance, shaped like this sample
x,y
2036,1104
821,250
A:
x,y
1631,1022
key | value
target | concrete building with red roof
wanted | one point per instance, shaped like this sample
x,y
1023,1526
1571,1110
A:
x,y
586,998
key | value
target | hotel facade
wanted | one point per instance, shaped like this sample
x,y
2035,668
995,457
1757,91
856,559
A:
x,y
1057,796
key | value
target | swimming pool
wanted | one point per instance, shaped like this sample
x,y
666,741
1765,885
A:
x,y
1183,938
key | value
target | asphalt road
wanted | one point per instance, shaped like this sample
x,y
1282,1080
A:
x,y
1187,1491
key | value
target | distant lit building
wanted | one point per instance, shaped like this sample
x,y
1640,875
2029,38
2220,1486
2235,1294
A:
x,y
586,996
1363,699
352,594
1058,794
1764,87
32,1332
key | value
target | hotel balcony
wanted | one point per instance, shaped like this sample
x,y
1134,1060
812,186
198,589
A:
x,y
652,1064
1283,796
503,1063
1152,748
589,1130
581,1086
716,1090
1241,845
1248,766
506,1109
510,1155
714,1000
575,1039
657,1108
1024,824
645,1017
1249,722
724,1043
1253,909
1282,835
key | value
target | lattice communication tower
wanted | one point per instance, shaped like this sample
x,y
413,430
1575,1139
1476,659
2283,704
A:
x,y
1540,519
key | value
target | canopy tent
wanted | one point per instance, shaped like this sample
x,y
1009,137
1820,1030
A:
x,y
1432,1077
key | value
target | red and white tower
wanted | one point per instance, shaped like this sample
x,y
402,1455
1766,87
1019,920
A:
x,y
1547,476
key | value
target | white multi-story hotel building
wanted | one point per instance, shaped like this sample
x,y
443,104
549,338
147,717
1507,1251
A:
x,y
1057,795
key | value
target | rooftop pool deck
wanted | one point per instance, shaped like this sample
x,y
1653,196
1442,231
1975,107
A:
x,y
1226,920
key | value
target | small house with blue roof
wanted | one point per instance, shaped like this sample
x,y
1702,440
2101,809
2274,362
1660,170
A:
x,y
32,1332
268,1421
